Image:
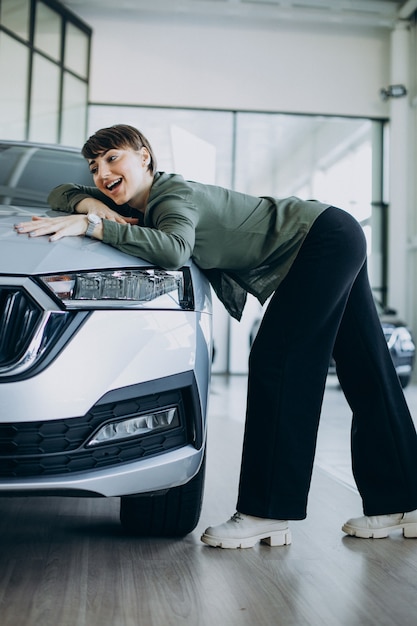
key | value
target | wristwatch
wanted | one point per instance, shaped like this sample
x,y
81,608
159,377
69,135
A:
x,y
93,220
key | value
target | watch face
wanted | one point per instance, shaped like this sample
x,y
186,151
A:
x,y
93,218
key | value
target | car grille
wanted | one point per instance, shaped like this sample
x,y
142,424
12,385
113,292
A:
x,y
59,447
19,316
28,331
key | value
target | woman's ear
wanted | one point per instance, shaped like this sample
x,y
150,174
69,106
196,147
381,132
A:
x,y
145,156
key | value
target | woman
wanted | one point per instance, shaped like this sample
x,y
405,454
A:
x,y
311,258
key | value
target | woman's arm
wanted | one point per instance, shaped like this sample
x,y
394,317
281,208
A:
x,y
169,248
72,198
66,197
169,244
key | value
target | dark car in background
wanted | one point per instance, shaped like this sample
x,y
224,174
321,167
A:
x,y
400,344
399,340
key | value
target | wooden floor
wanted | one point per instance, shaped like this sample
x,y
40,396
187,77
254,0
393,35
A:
x,y
65,561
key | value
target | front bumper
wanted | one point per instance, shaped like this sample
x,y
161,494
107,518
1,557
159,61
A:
x,y
160,358
148,476
54,456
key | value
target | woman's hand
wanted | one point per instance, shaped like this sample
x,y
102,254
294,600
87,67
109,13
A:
x,y
57,227
66,226
92,205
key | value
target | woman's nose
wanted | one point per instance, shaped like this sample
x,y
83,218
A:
x,y
104,170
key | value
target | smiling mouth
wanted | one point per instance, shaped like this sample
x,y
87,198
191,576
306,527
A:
x,y
114,184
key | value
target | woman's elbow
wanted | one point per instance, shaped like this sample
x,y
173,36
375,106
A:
x,y
175,257
174,262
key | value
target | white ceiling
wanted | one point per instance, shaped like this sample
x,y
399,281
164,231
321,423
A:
x,y
379,13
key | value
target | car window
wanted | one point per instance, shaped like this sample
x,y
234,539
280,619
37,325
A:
x,y
28,173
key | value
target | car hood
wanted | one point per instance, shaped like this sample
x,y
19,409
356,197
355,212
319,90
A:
x,y
22,255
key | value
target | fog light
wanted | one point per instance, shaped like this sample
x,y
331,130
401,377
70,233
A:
x,y
135,426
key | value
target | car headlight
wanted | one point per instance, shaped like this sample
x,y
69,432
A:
x,y
127,288
399,337
404,339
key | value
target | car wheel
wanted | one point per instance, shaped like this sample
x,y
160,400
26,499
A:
x,y
172,514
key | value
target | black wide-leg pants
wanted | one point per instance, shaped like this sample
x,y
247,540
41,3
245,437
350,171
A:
x,y
324,306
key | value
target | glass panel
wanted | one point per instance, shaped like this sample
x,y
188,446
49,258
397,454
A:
x,y
48,31
14,65
76,50
283,155
329,159
44,110
345,179
196,144
74,111
14,15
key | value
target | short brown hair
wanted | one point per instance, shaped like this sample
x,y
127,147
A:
x,y
117,136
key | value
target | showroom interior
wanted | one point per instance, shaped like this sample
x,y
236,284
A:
x,y
311,98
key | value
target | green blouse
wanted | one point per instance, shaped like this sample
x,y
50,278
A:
x,y
242,243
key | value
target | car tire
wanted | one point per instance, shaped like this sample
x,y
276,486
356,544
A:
x,y
174,513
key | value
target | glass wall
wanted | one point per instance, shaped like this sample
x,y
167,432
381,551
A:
x,y
14,99
335,160
44,70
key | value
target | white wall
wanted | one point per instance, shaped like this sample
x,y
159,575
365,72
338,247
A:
x,y
287,68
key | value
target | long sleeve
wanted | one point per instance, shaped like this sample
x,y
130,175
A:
x,y
65,197
167,240
168,243
243,243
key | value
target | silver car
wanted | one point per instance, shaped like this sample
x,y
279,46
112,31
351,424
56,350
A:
x,y
104,362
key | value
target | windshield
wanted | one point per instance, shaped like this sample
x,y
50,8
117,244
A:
x,y
29,172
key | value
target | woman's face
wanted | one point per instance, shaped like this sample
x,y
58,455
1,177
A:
x,y
122,174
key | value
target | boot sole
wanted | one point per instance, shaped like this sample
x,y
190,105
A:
x,y
280,538
409,531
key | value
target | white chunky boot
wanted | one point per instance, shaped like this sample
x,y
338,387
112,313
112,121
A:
x,y
379,526
244,531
